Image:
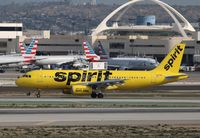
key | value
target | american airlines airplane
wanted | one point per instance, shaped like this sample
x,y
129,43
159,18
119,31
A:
x,y
56,60
89,52
27,56
122,63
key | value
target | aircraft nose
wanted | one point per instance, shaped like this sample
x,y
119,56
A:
x,y
18,82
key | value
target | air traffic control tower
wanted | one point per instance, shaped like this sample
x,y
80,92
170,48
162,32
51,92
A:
x,y
145,37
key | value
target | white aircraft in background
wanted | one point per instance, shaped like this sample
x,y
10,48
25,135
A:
x,y
27,56
57,60
124,63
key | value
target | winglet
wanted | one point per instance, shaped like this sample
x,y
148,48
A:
x,y
101,51
171,63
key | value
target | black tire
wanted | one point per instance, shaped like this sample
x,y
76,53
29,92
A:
x,y
2,71
38,95
28,93
100,95
93,95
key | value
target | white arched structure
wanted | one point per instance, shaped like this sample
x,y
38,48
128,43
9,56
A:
x,y
171,11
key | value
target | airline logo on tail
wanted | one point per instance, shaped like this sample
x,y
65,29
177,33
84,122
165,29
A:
x,y
29,52
100,51
89,52
170,62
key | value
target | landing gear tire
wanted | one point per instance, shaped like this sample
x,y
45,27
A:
x,y
28,94
38,94
2,71
94,95
100,95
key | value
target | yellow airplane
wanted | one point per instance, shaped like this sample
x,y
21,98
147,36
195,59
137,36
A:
x,y
92,82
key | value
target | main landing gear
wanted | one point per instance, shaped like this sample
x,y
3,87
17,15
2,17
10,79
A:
x,y
97,95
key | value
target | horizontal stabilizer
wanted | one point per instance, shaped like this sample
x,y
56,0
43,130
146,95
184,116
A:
x,y
176,76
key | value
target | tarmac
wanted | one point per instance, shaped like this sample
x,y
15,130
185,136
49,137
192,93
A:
x,y
153,111
95,117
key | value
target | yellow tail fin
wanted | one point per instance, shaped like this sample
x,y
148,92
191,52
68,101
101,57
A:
x,y
171,63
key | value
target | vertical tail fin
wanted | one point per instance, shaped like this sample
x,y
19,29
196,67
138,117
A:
x,y
171,63
89,52
29,52
100,51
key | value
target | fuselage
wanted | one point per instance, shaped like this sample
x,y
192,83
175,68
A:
x,y
49,60
65,79
11,59
86,82
134,63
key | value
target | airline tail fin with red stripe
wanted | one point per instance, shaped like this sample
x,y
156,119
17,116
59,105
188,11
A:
x,y
29,52
89,52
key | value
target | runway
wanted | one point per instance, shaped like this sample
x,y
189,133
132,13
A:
x,y
125,109
95,117
9,86
89,100
126,112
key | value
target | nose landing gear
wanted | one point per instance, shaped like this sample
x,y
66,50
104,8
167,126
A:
x,y
97,95
37,93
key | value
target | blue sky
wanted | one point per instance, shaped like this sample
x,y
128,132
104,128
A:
x,y
171,2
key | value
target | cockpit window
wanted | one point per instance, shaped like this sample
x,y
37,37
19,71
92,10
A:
x,y
26,76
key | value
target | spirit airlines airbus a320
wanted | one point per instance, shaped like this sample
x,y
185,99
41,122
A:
x,y
93,82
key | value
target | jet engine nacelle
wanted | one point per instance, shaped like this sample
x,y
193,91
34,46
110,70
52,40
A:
x,y
81,90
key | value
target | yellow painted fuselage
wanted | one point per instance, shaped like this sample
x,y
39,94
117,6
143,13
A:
x,y
65,79
86,81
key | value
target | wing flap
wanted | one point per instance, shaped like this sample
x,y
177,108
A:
x,y
103,84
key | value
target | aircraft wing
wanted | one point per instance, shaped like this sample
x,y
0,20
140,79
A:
x,y
11,61
65,62
103,84
72,61
40,58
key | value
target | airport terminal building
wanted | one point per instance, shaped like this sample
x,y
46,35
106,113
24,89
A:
x,y
144,38
116,45
130,45
9,36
